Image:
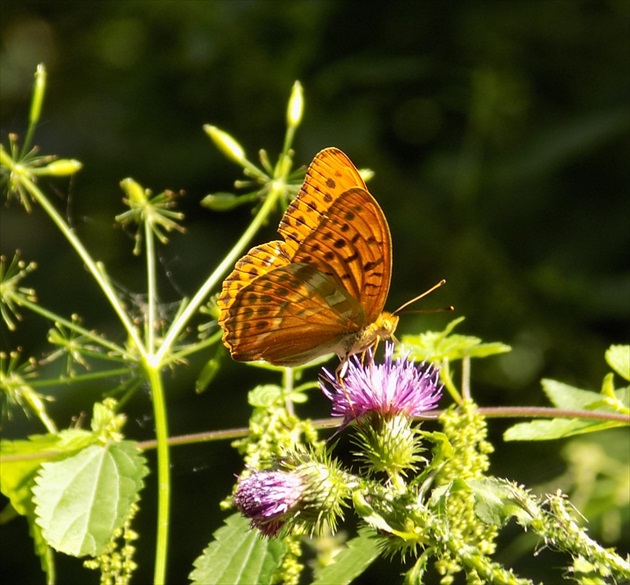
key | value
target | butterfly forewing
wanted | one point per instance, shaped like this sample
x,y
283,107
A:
x,y
329,175
353,245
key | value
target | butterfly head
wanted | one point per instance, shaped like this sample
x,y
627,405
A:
x,y
383,328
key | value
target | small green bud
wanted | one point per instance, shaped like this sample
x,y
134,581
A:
x,y
230,147
135,193
220,201
296,105
62,167
39,89
208,373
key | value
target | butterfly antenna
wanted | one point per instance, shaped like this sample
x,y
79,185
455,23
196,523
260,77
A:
x,y
424,294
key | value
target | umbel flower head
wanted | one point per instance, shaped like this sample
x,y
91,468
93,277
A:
x,y
395,387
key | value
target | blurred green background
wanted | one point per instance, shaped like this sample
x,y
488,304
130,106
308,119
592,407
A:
x,y
499,135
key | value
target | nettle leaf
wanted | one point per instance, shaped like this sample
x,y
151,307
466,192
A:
x,y
265,396
21,460
358,555
496,501
618,358
83,499
238,555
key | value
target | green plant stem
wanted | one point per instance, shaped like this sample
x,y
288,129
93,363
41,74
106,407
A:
x,y
184,351
152,293
73,326
153,366
118,372
278,187
549,412
163,473
94,269
447,379
287,388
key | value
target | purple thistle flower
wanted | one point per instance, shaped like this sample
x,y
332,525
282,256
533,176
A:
x,y
266,497
393,387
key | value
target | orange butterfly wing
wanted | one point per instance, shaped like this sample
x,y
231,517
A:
x,y
290,301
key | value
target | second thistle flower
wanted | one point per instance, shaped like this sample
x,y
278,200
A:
x,y
308,497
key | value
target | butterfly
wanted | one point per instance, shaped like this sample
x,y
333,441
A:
x,y
321,289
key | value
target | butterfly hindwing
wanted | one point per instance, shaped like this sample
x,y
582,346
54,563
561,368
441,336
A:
x,y
290,312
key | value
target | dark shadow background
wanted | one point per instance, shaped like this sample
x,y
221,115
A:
x,y
499,134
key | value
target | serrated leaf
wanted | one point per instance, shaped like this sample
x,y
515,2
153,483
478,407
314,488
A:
x,y
618,358
265,396
83,499
496,501
21,461
440,345
359,554
238,555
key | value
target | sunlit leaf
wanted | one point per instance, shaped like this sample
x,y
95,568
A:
x,y
351,562
238,555
496,501
83,499
618,358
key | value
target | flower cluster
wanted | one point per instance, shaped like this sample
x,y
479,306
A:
x,y
307,495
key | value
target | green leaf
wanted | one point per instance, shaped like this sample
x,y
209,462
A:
x,y
265,396
437,346
21,460
559,428
237,556
83,499
487,349
618,358
352,561
442,448
568,397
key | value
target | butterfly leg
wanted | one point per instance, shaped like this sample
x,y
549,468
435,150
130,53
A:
x,y
340,372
